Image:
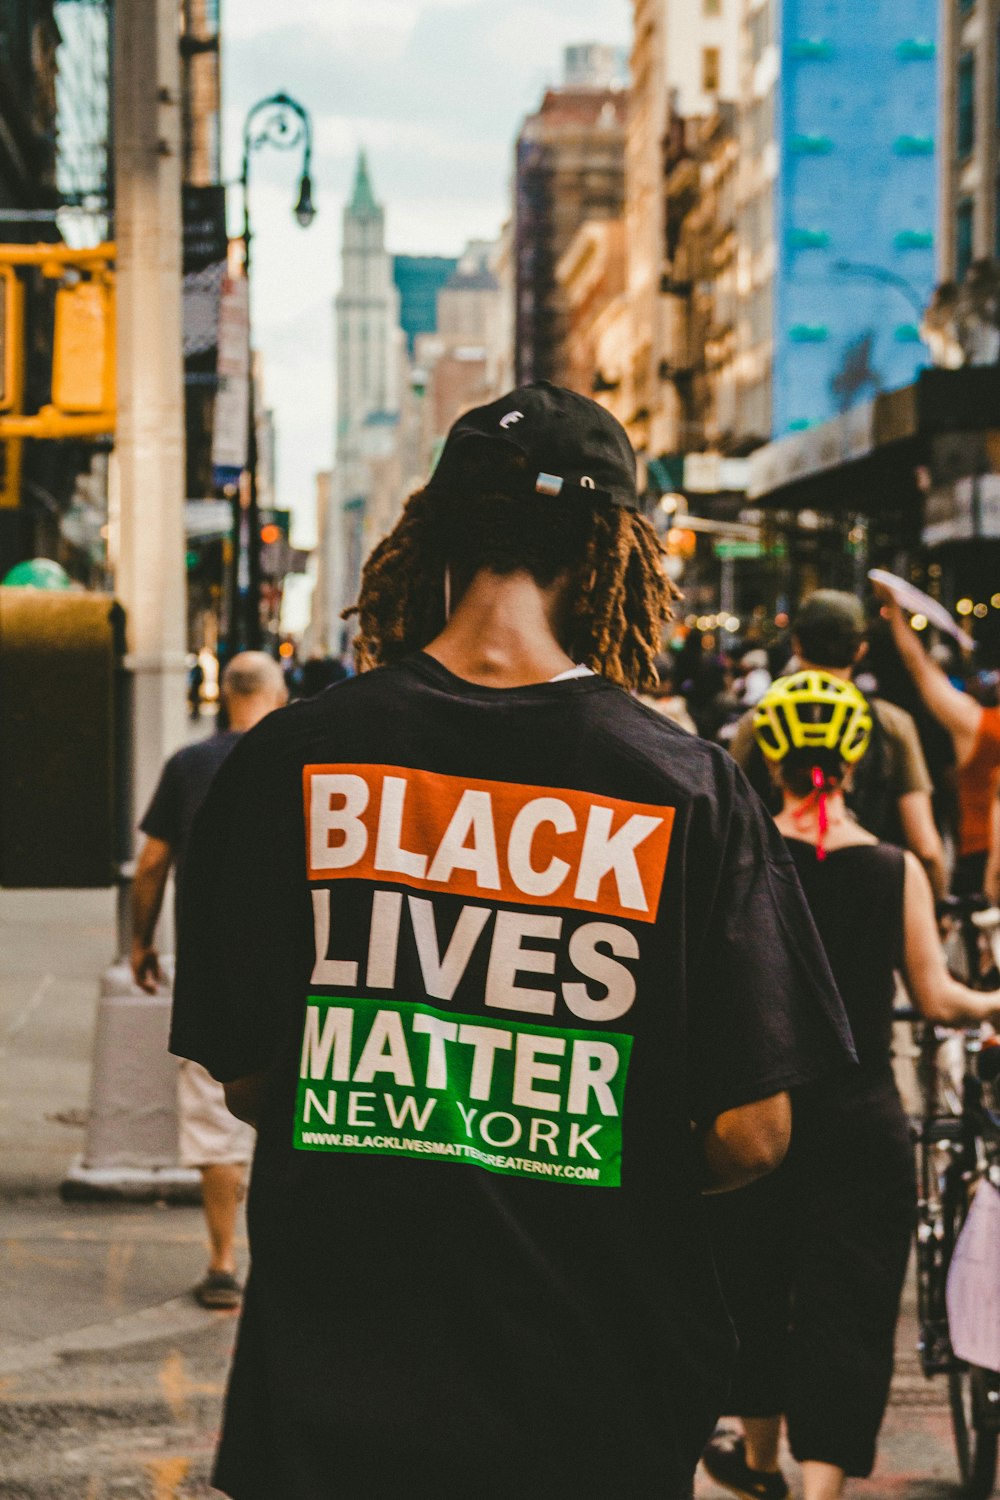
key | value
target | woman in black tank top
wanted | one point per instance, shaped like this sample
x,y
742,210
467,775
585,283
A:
x,y
812,1259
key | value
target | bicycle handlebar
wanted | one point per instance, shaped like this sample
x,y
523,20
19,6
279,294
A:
x,y
962,906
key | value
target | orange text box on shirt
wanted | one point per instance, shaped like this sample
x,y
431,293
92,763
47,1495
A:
x,y
495,840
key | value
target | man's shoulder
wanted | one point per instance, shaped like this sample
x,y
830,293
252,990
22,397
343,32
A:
x,y
641,734
893,720
207,752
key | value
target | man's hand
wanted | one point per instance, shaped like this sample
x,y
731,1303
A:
x,y
155,859
146,967
886,597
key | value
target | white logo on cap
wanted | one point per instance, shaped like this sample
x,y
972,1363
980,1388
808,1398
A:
x,y
511,418
587,483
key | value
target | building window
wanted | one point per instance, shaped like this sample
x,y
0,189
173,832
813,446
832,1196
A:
x,y
711,7
710,64
966,103
963,237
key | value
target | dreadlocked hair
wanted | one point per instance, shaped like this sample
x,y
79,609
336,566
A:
x,y
618,601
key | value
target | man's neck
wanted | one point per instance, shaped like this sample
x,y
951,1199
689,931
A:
x,y
503,633
844,673
247,712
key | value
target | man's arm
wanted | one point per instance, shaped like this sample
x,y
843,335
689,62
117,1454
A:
x,y
244,1097
921,834
147,898
934,992
959,713
746,1143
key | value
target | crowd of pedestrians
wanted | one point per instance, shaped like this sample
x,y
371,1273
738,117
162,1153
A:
x,y
567,1044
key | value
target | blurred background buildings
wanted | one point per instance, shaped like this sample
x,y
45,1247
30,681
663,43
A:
x,y
766,238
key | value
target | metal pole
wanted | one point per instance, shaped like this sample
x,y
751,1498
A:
x,y
251,599
149,447
131,1145
246,605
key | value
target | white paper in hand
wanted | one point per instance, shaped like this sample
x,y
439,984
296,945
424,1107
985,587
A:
x,y
973,1292
910,598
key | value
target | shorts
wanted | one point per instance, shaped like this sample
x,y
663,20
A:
x,y
209,1135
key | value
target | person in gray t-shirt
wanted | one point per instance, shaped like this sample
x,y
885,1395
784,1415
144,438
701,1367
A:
x,y
211,1139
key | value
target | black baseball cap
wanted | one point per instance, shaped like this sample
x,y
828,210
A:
x,y
564,445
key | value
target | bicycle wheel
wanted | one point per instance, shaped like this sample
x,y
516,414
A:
x,y
973,1395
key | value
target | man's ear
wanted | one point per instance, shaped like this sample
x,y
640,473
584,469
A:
x,y
860,653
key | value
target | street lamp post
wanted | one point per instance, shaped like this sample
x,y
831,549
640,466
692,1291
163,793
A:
x,y
888,278
277,121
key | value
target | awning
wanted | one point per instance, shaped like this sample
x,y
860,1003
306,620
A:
x,y
867,459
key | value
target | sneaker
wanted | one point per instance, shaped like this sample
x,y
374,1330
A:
x,y
219,1290
725,1461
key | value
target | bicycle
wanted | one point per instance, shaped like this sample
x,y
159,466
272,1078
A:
x,y
958,1148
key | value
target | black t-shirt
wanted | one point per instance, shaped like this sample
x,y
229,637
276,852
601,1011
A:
x,y
498,950
182,788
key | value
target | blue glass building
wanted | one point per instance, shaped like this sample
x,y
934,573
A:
x,y
837,220
418,280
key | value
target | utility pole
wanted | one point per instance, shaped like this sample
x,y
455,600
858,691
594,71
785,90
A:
x,y
131,1145
149,448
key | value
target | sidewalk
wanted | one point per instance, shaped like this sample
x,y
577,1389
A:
x,y
111,1377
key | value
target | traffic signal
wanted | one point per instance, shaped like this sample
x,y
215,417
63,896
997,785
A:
x,y
274,529
11,338
83,357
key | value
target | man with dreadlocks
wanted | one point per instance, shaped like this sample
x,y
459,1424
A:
x,y
508,971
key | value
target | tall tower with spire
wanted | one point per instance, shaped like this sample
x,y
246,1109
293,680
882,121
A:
x,y
367,315
369,354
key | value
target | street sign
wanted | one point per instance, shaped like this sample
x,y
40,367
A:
x,y
736,549
229,439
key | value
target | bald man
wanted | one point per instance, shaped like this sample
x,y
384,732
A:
x,y
211,1139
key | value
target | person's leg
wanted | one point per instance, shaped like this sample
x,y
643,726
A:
x,y
821,1481
222,1193
753,1237
761,1438
857,1217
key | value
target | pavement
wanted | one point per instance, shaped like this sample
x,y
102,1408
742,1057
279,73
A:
x,y
111,1376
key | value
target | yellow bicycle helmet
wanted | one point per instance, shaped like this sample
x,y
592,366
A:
x,y
812,711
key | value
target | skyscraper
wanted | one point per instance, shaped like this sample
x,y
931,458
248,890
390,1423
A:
x,y
838,186
367,316
370,358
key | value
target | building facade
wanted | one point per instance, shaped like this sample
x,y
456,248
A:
x,y
969,135
569,167
591,277
838,163
684,60
702,162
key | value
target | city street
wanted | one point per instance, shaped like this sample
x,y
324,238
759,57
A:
x,y
111,1377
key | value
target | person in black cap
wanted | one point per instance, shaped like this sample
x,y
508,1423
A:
x,y
508,971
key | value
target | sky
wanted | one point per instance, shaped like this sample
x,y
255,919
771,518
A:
x,y
435,91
